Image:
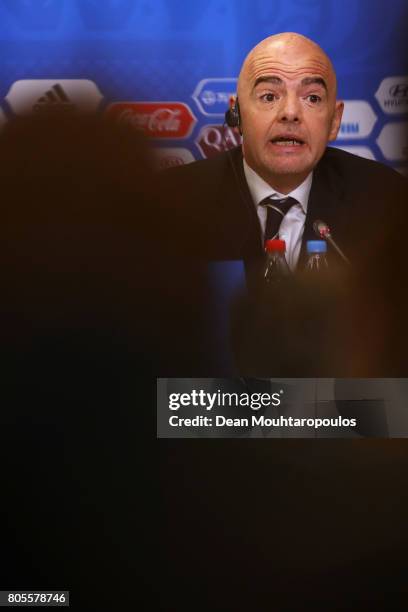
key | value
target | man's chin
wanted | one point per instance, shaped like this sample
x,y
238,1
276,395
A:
x,y
287,169
284,178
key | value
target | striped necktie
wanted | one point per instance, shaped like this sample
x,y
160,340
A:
x,y
277,209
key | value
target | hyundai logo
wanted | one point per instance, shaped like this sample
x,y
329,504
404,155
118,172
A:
x,y
399,91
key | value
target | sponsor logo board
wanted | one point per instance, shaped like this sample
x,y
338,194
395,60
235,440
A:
x,y
392,95
393,141
60,95
358,120
156,119
169,157
214,139
212,96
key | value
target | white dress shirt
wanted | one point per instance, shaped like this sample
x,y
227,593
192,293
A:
x,y
293,224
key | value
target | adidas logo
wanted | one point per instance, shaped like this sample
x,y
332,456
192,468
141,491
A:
x,y
55,99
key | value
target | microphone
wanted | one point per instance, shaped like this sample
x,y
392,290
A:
x,y
323,231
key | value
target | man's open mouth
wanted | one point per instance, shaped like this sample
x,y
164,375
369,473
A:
x,y
288,141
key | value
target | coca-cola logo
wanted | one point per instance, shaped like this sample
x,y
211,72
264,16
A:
x,y
214,139
155,119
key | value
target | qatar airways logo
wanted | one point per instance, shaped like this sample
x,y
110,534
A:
x,y
214,139
155,119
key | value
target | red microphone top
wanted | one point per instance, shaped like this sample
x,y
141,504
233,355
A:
x,y
324,231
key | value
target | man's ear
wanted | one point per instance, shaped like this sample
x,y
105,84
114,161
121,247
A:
x,y
336,120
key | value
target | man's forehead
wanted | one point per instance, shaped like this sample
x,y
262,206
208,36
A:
x,y
288,57
291,64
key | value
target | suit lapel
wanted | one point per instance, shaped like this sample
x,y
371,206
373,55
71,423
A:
x,y
238,210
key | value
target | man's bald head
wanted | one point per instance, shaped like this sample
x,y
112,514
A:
x,y
288,51
287,108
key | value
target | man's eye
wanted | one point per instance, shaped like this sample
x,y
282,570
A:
x,y
268,97
314,99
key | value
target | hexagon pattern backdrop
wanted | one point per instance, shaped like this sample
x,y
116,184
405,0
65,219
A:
x,y
169,66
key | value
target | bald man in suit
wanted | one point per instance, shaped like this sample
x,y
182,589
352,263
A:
x,y
287,112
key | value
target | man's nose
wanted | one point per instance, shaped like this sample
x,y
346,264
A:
x,y
289,109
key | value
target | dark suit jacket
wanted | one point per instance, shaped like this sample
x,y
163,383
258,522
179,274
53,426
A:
x,y
211,214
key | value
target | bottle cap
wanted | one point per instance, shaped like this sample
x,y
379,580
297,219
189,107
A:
x,y
316,246
275,246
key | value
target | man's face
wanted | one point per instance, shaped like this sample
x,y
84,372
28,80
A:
x,y
288,110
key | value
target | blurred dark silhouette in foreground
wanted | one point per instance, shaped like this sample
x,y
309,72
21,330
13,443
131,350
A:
x,y
96,301
77,357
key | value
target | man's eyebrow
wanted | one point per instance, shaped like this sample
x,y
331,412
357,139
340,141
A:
x,y
268,79
314,81
275,80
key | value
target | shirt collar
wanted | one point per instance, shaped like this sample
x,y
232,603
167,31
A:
x,y
260,189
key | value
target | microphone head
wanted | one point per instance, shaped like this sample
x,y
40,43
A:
x,y
321,229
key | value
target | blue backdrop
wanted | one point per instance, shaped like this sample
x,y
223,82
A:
x,y
185,55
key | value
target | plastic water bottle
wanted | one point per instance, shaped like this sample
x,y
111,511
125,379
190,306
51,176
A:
x,y
276,267
317,260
